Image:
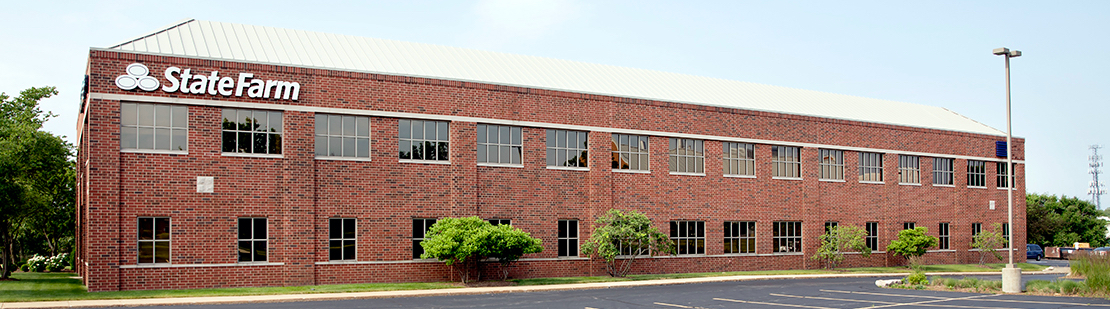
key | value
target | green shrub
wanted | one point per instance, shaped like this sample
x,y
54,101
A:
x,y
1070,287
916,278
949,282
1096,268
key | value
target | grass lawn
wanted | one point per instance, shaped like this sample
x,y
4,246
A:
x,y
60,286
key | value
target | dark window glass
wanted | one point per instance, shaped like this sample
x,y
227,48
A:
x,y
252,240
739,237
787,236
420,229
154,240
341,239
689,236
251,131
568,238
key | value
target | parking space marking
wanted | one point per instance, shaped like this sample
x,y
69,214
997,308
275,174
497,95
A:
x,y
927,302
984,300
884,294
836,299
671,305
770,304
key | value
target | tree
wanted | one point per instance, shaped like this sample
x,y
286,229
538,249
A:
x,y
507,244
912,244
989,242
33,168
1052,221
836,238
625,233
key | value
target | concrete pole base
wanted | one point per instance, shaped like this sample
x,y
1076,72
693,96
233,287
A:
x,y
1011,279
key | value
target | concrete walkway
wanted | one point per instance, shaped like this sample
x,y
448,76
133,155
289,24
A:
x,y
458,291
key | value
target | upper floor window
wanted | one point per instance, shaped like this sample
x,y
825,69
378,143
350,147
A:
x,y
785,162
630,152
831,164
909,171
423,140
342,136
942,171
739,159
1003,175
251,131
870,167
976,173
499,144
153,127
687,156
567,148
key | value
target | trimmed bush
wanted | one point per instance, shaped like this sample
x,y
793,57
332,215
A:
x,y
916,278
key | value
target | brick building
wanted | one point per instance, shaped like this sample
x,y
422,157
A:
x,y
220,155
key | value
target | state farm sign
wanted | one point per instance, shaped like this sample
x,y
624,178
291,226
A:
x,y
185,81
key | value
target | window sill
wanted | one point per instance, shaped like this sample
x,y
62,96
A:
x,y
632,171
501,165
740,176
564,168
333,158
832,180
1004,189
976,187
168,265
787,253
377,262
423,161
909,184
687,174
873,182
787,178
251,155
940,250
999,249
944,186
155,151
561,258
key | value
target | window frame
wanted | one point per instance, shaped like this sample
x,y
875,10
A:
x,y
740,240
909,170
343,239
868,171
440,144
872,238
567,241
154,241
135,126
976,174
237,132
1003,175
680,233
253,240
483,144
553,148
782,167
642,154
425,227
944,236
740,156
908,225
940,175
327,137
679,150
830,171
789,239
496,222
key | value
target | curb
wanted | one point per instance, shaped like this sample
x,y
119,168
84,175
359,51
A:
x,y
446,292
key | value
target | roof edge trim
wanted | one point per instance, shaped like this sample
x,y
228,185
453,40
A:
x,y
164,29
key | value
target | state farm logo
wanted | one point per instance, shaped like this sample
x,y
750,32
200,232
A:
x,y
137,78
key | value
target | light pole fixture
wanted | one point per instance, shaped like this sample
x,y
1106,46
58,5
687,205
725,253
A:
x,y
1011,276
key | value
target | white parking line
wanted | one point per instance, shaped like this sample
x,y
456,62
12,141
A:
x,y
925,302
770,304
672,305
986,300
836,299
884,294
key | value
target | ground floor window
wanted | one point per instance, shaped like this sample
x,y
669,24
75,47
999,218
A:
x,y
873,236
740,237
689,236
942,240
500,221
568,238
788,236
252,240
420,227
341,239
154,240
908,225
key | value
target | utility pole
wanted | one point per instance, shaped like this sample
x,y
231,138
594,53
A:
x,y
1096,189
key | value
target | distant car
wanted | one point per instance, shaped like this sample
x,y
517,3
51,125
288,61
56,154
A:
x,y
1033,252
1069,252
1102,250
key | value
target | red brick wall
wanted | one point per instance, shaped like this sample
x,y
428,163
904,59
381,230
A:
x,y
298,194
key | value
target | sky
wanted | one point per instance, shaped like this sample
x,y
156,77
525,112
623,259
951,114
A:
x,y
935,53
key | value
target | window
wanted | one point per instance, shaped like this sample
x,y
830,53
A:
x,y
252,240
942,171
976,173
739,159
1003,175
423,140
908,225
629,248
831,164
630,152
687,156
689,236
420,227
1006,233
829,225
870,167
740,237
568,238
251,131
567,148
944,236
785,162
500,221
976,228
909,171
153,127
788,236
341,239
499,144
873,235
342,136
154,240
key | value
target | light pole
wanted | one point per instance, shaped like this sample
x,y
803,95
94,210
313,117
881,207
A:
x,y
1011,276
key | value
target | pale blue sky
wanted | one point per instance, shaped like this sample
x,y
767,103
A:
x,y
927,52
